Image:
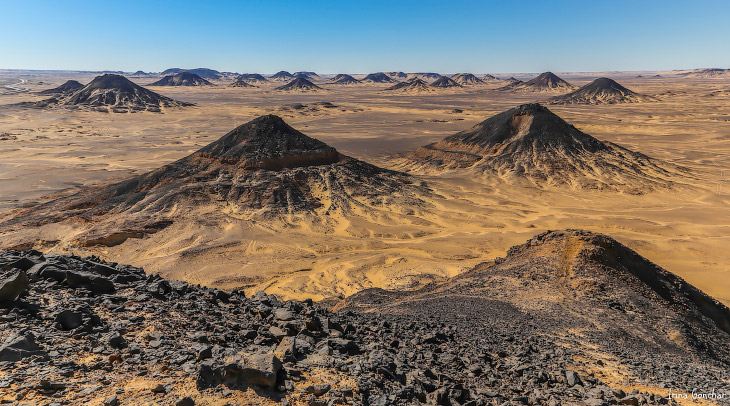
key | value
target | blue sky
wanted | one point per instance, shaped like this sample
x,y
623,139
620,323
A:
x,y
365,36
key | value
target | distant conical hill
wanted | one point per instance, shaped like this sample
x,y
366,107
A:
x,y
242,83
531,143
600,91
205,73
115,93
466,79
397,75
252,78
182,79
414,85
300,85
68,86
306,75
545,82
710,73
425,76
343,79
378,77
445,82
282,76
262,168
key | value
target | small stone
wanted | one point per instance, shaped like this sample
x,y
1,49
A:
x,y
186,401
111,401
318,390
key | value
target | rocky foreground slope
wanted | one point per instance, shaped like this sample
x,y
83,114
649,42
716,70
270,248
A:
x,y
83,331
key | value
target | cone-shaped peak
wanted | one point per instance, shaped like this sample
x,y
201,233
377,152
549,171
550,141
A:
x,y
68,86
605,84
268,142
600,91
299,84
111,81
444,81
526,122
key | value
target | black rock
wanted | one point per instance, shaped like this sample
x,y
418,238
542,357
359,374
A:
x,y
18,347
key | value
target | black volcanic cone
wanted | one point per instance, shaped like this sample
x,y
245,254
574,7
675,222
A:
x,y
182,79
532,143
466,79
113,92
444,82
299,84
378,77
547,81
264,166
269,143
600,91
344,79
68,86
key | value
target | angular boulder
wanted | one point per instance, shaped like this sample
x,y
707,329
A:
x,y
95,283
13,285
259,369
18,347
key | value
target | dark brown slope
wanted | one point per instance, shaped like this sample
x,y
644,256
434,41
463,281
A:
x,y
113,93
531,143
68,86
600,91
263,168
580,287
300,85
182,79
545,82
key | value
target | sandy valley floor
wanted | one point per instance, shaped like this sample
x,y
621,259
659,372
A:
x,y
686,231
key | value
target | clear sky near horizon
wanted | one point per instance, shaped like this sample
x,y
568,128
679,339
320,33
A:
x,y
365,36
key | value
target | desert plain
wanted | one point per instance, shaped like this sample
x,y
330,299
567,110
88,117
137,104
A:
x,y
467,219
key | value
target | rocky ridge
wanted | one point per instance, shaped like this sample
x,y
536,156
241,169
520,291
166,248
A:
x,y
85,330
